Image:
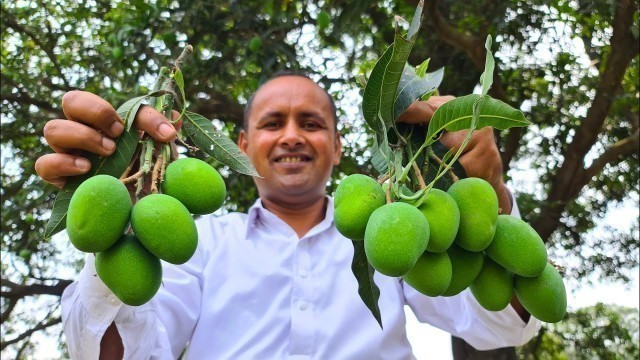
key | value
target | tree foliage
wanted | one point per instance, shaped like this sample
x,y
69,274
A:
x,y
595,332
571,66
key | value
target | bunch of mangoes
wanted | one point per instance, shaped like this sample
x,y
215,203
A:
x,y
453,240
130,240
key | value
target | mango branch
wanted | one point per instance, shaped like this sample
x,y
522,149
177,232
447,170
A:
x,y
434,157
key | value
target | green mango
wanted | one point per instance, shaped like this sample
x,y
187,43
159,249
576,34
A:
x,y
130,271
517,247
98,213
478,204
543,296
493,288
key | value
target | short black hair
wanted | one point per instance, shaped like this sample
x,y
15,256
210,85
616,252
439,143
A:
x,y
247,108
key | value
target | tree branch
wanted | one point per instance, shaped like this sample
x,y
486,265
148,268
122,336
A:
x,y
564,187
5,314
626,146
10,21
18,291
28,333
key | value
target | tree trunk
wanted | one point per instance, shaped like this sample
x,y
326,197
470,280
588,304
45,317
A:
x,y
463,351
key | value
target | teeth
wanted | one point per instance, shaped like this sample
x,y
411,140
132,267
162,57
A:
x,y
290,159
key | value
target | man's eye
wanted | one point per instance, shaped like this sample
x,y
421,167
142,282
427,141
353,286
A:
x,y
271,125
310,125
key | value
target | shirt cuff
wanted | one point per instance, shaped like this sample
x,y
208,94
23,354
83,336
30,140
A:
x,y
515,211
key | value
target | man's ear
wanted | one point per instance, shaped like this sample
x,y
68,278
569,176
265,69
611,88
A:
x,y
242,141
338,149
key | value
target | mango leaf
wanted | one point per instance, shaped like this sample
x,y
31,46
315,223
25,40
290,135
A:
x,y
371,95
457,114
113,165
413,87
380,154
179,81
421,70
393,72
129,109
486,79
380,93
216,144
367,288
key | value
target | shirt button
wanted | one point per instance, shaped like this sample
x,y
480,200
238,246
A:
x,y
302,306
303,274
113,299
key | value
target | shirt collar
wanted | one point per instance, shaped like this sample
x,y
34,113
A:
x,y
259,215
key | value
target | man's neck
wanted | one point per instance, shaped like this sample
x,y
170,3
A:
x,y
301,217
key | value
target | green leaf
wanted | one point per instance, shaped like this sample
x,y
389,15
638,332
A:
x,y
367,288
413,87
113,165
179,81
457,114
213,142
129,109
421,69
380,94
380,155
371,95
486,79
393,72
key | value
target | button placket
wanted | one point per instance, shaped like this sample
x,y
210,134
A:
x,y
302,302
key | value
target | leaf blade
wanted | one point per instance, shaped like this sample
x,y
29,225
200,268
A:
x,y
216,144
457,114
367,288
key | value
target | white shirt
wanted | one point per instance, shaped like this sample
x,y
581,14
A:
x,y
254,290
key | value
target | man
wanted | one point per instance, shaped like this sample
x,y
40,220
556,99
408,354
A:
x,y
274,283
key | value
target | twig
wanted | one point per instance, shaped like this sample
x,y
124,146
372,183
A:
x,y
157,168
192,149
435,157
416,169
132,178
383,179
128,170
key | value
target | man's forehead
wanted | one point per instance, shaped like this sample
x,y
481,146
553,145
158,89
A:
x,y
291,85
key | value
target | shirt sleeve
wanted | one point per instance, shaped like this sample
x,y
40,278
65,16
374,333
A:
x,y
464,317
159,329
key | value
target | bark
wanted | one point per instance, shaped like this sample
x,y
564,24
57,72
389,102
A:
x,y
17,291
29,332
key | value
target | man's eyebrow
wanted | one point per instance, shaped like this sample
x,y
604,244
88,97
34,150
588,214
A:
x,y
313,114
271,114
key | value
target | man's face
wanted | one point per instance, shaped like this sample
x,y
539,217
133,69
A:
x,y
291,140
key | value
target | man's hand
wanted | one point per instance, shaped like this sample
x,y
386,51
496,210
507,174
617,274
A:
x,y
92,124
480,158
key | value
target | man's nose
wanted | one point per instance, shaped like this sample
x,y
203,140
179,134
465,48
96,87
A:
x,y
291,134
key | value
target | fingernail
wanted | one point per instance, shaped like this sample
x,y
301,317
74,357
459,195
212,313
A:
x,y
108,144
166,131
82,164
116,128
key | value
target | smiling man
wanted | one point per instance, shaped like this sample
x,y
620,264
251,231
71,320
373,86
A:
x,y
276,282
290,137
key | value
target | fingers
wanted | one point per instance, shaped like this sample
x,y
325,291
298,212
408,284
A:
x,y
90,109
54,168
66,136
421,112
155,124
